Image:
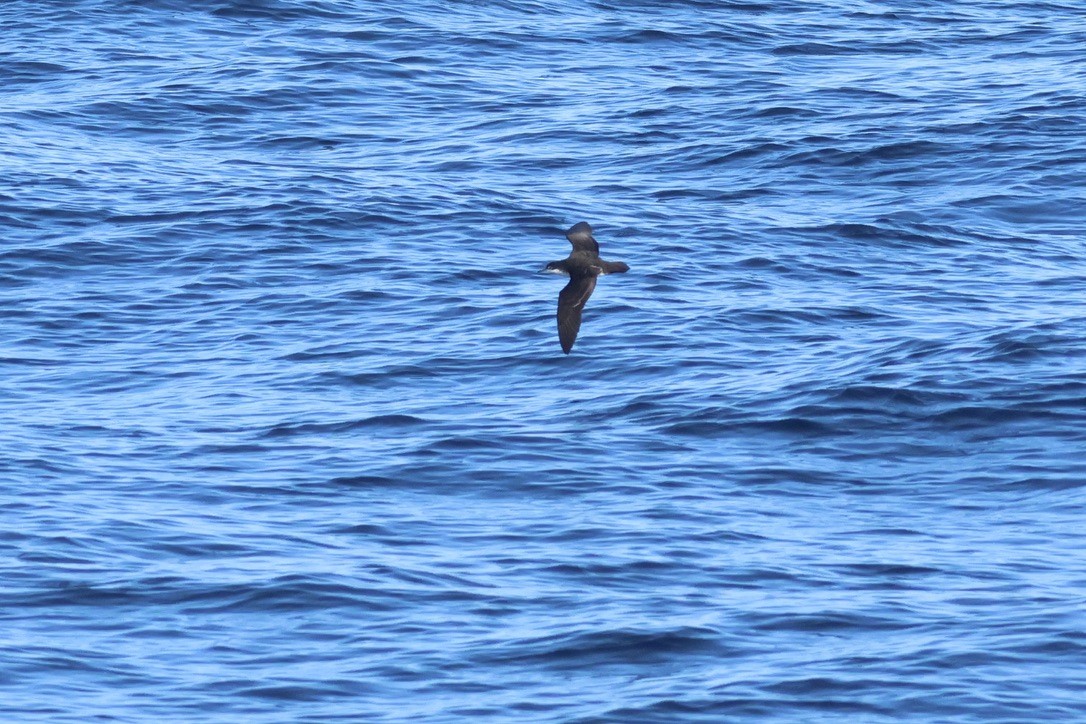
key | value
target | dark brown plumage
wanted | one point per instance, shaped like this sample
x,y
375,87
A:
x,y
583,265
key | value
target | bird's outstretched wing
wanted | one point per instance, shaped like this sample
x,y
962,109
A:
x,y
570,305
580,235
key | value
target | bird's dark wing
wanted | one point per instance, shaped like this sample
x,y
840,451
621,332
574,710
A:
x,y
570,305
614,267
580,235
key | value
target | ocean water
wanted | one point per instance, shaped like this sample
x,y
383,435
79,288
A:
x,y
286,434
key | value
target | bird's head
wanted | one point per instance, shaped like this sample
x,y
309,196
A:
x,y
555,267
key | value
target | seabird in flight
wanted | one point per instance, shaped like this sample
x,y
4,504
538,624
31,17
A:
x,y
582,266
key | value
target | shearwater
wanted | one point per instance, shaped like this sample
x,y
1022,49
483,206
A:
x,y
582,265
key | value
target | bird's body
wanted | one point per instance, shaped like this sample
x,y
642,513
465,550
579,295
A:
x,y
583,266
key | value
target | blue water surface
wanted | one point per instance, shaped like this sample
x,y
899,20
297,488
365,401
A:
x,y
286,434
